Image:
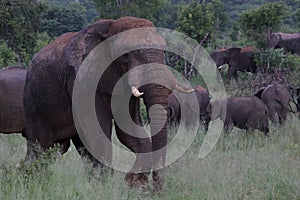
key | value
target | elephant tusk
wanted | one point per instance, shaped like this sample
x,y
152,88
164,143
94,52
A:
x,y
135,91
183,89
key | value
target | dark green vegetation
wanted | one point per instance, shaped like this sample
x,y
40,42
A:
x,y
237,168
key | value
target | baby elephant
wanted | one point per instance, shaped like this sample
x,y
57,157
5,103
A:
x,y
247,113
179,101
277,99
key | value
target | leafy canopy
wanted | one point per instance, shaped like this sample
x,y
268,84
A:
x,y
114,9
19,23
257,24
59,18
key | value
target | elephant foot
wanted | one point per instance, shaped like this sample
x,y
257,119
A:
x,y
158,181
138,180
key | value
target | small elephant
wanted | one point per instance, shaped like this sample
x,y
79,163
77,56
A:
x,y
277,99
290,42
247,112
238,59
175,115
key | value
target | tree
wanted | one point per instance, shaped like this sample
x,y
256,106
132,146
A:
x,y
60,18
19,23
196,20
201,21
113,9
91,11
257,24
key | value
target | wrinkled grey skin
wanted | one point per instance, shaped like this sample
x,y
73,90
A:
x,y
238,59
277,99
48,95
203,98
290,42
247,112
12,117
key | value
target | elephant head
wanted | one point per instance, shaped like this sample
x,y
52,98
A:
x,y
153,83
225,55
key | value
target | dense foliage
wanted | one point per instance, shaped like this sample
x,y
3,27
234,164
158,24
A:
x,y
19,24
59,18
257,24
228,22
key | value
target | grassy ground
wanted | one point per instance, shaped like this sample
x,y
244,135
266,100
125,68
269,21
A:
x,y
239,167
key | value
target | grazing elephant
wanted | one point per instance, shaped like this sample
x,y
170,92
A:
x,y
238,59
290,42
247,112
12,117
277,99
203,98
49,85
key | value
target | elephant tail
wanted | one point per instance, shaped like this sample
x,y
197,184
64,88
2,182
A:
x,y
287,108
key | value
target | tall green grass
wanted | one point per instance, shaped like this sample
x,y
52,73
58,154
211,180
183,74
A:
x,y
239,167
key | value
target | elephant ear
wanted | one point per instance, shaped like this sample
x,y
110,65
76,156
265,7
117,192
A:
x,y
84,41
233,53
259,92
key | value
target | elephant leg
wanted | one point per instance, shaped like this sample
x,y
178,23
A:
x,y
235,75
103,149
272,113
231,72
228,125
282,115
37,143
138,175
138,141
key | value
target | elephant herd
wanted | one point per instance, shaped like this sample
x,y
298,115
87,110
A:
x,y
243,58
37,101
245,112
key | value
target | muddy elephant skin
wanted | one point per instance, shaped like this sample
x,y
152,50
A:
x,y
290,42
238,59
247,112
12,117
277,99
49,84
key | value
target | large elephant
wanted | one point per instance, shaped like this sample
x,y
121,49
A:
x,y
247,112
238,59
290,42
12,117
203,98
277,99
49,85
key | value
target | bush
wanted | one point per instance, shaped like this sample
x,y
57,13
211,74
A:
x,y
269,58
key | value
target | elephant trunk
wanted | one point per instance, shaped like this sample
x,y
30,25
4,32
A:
x,y
156,100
